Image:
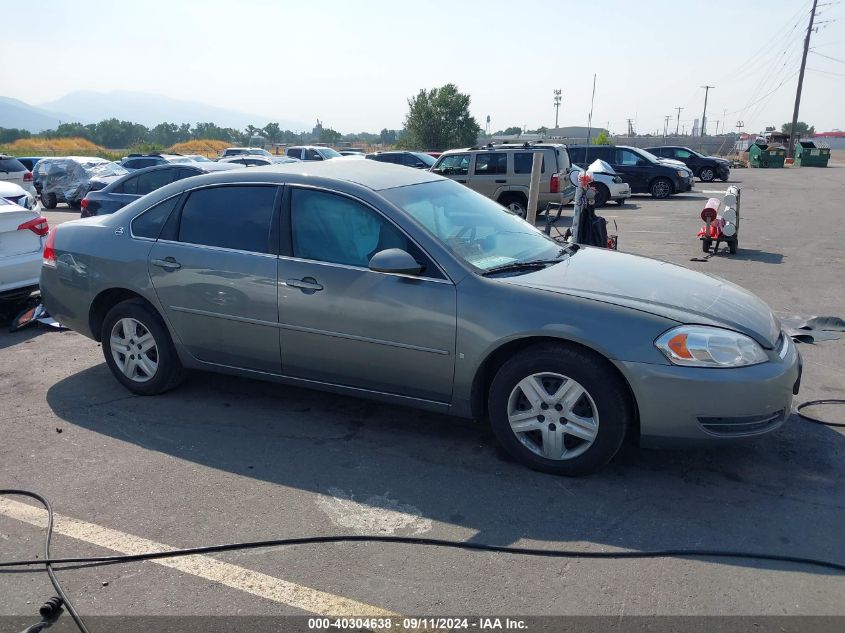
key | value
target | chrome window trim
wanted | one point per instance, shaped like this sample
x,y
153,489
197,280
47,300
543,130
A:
x,y
208,247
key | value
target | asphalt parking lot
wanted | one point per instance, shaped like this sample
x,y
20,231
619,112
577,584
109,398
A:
x,y
225,459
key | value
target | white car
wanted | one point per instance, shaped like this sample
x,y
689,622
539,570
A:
x,y
16,194
22,233
607,183
14,171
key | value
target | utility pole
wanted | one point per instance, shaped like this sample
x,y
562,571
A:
x,y
717,127
557,106
666,125
630,127
704,114
739,126
678,121
791,148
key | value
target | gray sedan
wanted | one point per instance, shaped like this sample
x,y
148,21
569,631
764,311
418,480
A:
x,y
378,281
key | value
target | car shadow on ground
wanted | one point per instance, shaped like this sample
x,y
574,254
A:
x,y
752,255
755,496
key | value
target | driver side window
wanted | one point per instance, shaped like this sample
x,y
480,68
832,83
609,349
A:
x,y
626,157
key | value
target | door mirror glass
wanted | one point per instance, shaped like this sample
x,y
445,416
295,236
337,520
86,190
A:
x,y
395,260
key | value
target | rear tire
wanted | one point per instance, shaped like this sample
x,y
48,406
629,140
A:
x,y
582,406
75,204
133,331
49,200
660,188
515,203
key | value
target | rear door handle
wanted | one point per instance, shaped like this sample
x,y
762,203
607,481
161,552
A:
x,y
168,263
463,182
501,182
305,284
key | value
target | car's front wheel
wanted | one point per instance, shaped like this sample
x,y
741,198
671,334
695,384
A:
x,y
559,409
661,188
602,195
707,174
138,349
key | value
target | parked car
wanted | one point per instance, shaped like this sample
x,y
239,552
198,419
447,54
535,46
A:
x,y
350,151
140,161
311,152
503,173
607,183
707,168
22,234
140,182
246,160
16,194
197,158
69,179
29,161
643,171
12,170
400,285
243,151
418,160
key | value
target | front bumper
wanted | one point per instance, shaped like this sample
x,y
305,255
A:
x,y
690,405
685,183
620,190
723,172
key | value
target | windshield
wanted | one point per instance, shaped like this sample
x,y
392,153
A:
x,y
428,160
327,152
649,155
476,229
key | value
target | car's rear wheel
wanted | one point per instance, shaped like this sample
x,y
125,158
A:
x,y
138,349
660,188
49,200
515,204
602,195
75,204
707,174
559,409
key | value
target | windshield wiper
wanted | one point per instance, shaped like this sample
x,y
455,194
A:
x,y
532,263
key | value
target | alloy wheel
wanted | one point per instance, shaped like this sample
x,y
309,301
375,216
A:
x,y
134,349
553,416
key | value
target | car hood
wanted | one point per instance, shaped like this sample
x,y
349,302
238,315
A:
x,y
659,288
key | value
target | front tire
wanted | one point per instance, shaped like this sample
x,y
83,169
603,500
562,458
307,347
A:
x,y
620,201
602,195
138,349
559,409
707,174
660,188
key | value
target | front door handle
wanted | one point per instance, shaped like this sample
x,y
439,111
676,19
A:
x,y
168,263
501,182
306,284
463,182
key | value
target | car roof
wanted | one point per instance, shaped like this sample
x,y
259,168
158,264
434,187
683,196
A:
x,y
365,173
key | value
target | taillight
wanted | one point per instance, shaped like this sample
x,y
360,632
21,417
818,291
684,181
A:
x,y
49,257
554,184
38,226
83,204
27,177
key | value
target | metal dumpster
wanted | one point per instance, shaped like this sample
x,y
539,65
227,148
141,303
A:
x,y
812,153
761,154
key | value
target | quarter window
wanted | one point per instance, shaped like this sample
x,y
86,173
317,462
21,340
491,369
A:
x,y
149,223
331,228
492,163
522,162
627,157
236,217
129,186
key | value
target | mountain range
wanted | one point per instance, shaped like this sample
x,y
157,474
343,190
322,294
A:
x,y
139,107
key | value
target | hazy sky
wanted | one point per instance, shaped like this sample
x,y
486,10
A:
x,y
353,64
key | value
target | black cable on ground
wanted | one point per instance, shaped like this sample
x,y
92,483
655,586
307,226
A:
x,y
404,540
810,418
48,566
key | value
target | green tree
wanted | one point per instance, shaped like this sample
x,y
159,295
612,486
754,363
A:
x,y
11,134
165,134
273,132
328,135
801,128
602,139
387,137
439,119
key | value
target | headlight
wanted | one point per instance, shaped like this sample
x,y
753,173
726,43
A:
x,y
682,174
617,179
703,346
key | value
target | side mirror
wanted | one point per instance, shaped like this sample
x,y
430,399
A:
x,y
395,260
642,162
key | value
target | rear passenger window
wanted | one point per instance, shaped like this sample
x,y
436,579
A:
x,y
522,162
492,163
130,186
294,153
153,180
229,217
11,165
454,165
149,223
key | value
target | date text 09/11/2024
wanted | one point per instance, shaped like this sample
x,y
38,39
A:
x,y
417,624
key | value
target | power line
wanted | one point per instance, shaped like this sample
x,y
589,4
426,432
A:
x,y
836,59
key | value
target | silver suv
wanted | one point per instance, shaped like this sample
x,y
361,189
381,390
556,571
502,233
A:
x,y
503,173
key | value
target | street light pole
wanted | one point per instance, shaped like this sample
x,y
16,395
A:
x,y
557,106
